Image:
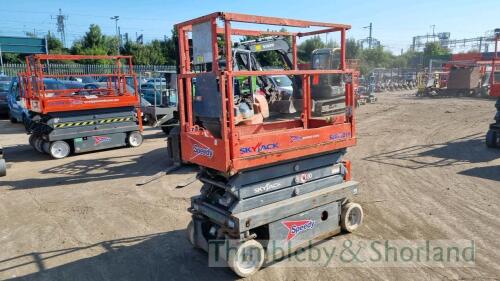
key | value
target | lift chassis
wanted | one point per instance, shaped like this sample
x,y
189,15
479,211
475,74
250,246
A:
x,y
268,176
58,134
287,205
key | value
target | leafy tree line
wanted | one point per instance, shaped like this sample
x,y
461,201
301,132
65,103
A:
x,y
94,42
378,57
162,52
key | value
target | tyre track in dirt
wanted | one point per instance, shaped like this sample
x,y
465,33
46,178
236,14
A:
x,y
424,170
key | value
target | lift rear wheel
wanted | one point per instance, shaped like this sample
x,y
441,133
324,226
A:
x,y
134,139
46,147
190,233
351,217
491,139
12,119
37,144
247,258
32,140
59,149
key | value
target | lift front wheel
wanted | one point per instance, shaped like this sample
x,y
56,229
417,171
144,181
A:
x,y
3,168
491,139
134,139
59,149
247,258
351,217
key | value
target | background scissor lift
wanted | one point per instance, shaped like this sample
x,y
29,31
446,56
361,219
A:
x,y
81,116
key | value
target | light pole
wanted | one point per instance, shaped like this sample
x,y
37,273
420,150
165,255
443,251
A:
x,y
116,18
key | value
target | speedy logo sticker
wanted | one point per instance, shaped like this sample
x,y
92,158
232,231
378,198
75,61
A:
x,y
202,151
98,140
297,227
259,148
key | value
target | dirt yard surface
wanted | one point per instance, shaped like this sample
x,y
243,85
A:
x,y
424,169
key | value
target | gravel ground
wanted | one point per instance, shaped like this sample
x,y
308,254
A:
x,y
424,169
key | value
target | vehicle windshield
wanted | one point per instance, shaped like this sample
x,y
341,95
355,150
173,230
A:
x,y
324,61
282,80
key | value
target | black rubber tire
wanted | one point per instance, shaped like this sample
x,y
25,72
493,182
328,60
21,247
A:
x,y
37,144
191,235
166,129
26,123
31,140
46,147
12,119
491,139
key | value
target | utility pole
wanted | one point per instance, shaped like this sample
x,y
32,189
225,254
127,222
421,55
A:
x,y
370,37
433,32
116,18
61,26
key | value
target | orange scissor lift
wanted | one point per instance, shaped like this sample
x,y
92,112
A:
x,y
76,110
493,134
268,177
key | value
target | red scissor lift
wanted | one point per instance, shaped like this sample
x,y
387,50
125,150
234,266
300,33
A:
x,y
266,176
74,110
493,134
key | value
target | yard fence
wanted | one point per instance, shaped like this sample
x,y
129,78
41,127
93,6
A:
x,y
11,69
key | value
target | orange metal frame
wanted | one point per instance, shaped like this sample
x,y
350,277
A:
x,y
41,100
247,146
495,85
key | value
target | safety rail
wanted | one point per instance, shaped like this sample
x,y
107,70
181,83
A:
x,y
223,141
45,91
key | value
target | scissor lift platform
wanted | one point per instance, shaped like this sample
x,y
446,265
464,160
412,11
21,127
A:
x,y
264,179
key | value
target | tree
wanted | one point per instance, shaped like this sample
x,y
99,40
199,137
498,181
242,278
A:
x,y
374,58
152,53
156,52
353,49
55,45
12,58
433,49
95,43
